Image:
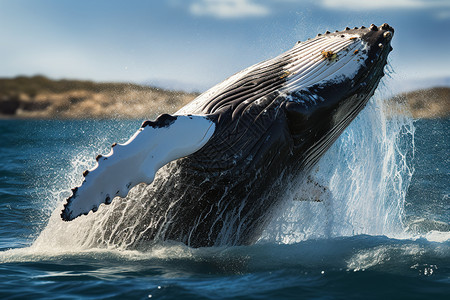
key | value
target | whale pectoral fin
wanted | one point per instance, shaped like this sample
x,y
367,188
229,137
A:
x,y
155,144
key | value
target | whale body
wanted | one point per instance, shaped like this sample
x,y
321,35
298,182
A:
x,y
217,169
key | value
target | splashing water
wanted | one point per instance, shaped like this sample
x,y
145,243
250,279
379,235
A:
x,y
359,187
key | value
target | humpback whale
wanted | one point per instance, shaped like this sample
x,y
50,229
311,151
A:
x,y
216,169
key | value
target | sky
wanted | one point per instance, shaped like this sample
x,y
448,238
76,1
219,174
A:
x,y
194,44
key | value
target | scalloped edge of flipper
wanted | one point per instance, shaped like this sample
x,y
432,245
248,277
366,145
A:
x,y
155,144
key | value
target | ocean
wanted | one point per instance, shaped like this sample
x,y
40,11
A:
x,y
382,230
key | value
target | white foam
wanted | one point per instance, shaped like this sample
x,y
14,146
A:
x,y
438,236
381,255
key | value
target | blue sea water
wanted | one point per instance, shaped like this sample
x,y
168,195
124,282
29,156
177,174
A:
x,y
383,232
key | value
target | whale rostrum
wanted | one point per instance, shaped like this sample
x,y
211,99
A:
x,y
225,158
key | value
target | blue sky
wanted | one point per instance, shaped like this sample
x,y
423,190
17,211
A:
x,y
197,43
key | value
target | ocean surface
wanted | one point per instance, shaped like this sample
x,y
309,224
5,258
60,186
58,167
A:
x,y
382,229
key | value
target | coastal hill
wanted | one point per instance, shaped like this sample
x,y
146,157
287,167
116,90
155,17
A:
x,y
426,104
39,97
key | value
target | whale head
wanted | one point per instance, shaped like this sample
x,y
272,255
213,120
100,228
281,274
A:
x,y
322,84
329,81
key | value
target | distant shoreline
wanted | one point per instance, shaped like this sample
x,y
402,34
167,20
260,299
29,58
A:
x,y
38,97
430,103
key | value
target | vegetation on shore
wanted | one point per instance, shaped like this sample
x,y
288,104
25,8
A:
x,y
39,97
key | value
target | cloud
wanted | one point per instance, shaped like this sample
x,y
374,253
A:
x,y
443,15
228,9
384,4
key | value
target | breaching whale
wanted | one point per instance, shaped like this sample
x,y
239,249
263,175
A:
x,y
217,168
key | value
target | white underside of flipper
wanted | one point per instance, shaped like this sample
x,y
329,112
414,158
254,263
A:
x,y
137,161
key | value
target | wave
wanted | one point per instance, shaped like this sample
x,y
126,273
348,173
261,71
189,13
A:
x,y
343,254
